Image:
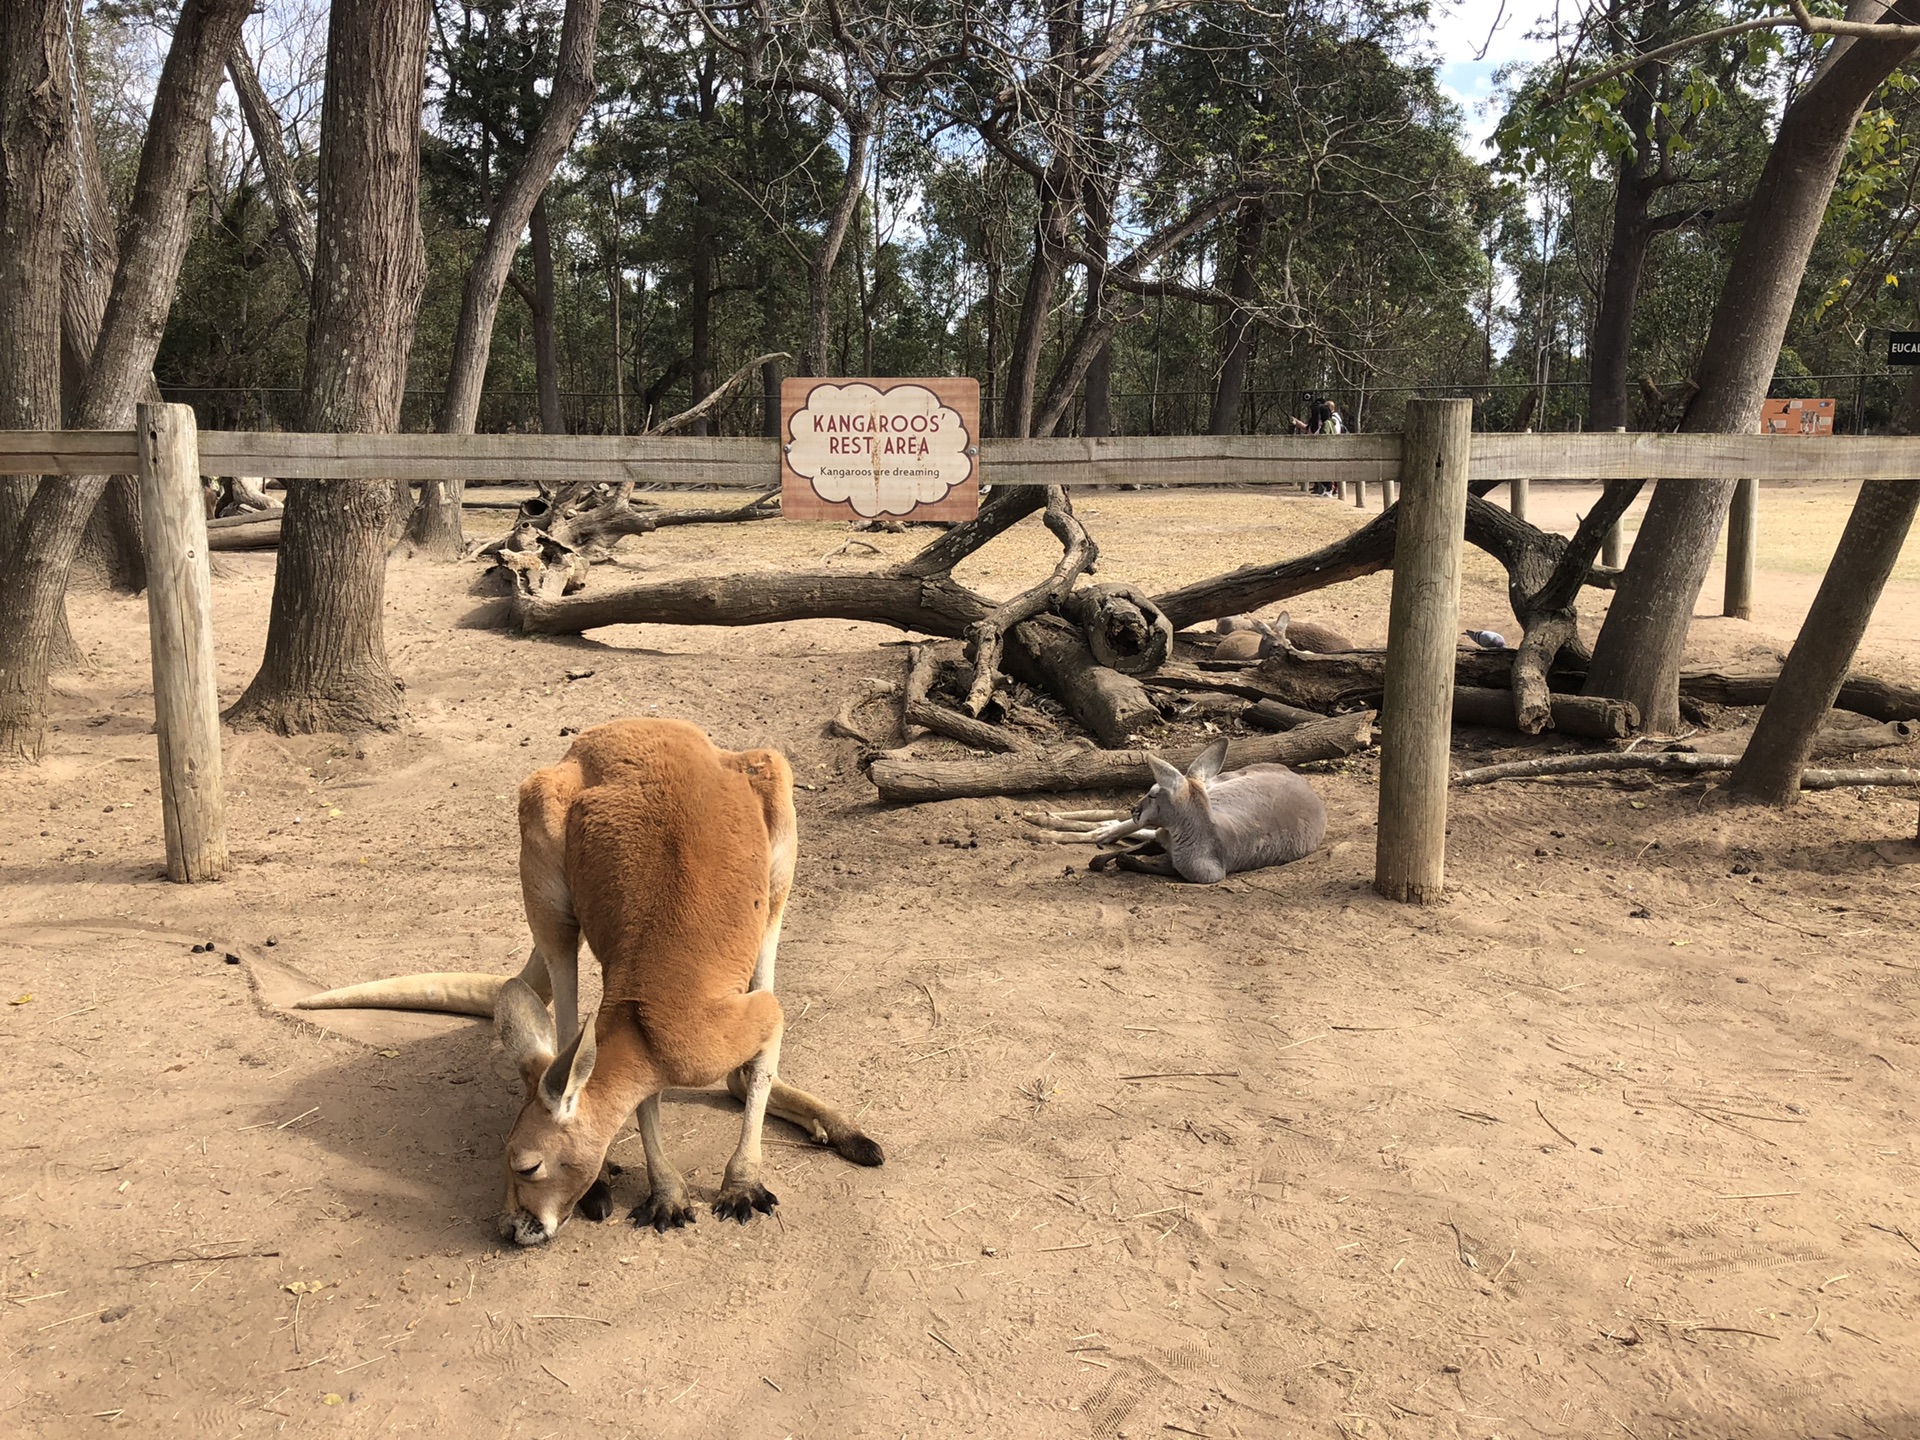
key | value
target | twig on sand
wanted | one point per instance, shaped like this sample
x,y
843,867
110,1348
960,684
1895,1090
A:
x,y
1553,1127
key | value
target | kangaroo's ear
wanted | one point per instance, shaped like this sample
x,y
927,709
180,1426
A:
x,y
1207,763
525,1028
567,1076
1165,776
1277,627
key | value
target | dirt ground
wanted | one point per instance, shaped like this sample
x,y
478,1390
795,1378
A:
x,y
1620,1139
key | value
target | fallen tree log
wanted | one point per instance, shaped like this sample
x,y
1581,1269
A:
x,y
1323,683
1125,630
933,605
1272,715
1862,694
986,638
1668,762
919,708
254,531
1053,655
1065,768
1586,717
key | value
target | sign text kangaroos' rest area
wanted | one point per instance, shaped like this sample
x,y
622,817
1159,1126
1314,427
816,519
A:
x,y
866,449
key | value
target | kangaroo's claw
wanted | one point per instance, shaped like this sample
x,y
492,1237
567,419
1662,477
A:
x,y
663,1214
739,1202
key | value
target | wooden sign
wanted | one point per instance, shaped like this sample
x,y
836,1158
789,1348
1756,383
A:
x,y
1796,417
865,449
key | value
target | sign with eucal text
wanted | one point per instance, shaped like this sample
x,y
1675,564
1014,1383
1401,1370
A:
x,y
1903,347
879,449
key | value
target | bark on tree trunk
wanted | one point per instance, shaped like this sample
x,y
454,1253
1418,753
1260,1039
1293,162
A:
x,y
1030,335
1249,231
827,255
435,527
1822,654
111,550
1641,644
270,143
546,358
35,183
155,242
325,665
1097,414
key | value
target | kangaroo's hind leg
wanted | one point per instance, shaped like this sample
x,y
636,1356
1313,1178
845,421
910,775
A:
x,y
554,967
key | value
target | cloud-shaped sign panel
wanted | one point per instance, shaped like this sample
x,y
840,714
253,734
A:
x,y
881,452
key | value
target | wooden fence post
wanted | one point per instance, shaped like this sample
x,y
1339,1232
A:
x,y
1517,498
1360,494
186,702
1743,538
1423,622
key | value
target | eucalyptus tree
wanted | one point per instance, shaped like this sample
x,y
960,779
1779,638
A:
x,y
1638,653
33,577
325,664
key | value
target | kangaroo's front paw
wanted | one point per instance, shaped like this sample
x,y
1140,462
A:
x,y
739,1201
597,1204
664,1212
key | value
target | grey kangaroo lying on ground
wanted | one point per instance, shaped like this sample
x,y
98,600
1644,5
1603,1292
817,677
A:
x,y
1208,825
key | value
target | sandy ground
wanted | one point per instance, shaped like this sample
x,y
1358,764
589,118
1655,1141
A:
x,y
1620,1139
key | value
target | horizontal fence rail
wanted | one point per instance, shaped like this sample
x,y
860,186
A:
x,y
749,464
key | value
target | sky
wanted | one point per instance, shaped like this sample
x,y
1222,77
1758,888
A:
x,y
1460,29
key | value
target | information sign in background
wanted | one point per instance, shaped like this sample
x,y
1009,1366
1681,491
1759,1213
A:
x,y
1796,417
854,448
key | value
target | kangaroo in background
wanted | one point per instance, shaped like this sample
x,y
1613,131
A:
x,y
1246,637
1212,825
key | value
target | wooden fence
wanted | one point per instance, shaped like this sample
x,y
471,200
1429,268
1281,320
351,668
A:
x,y
169,458
749,464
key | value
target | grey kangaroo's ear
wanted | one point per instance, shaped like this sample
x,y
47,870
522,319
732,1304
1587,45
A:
x,y
525,1028
1207,763
567,1076
1165,776
1277,627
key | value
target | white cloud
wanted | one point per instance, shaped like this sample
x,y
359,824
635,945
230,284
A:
x,y
1462,30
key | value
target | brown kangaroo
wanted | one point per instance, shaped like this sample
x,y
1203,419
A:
x,y
674,859
1246,638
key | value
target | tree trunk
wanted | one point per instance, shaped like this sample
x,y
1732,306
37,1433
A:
x,y
769,343
827,254
111,551
1249,231
1612,342
34,578
991,266
1050,236
435,525
1097,388
1822,654
35,182
325,665
546,359
1641,644
269,142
